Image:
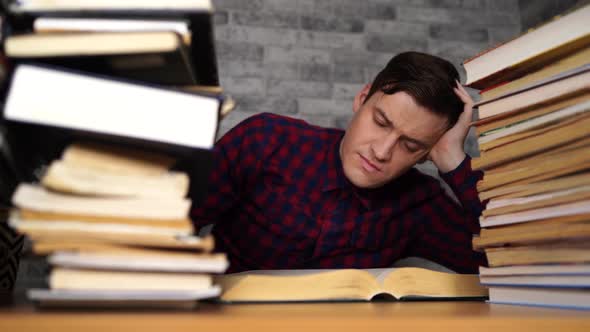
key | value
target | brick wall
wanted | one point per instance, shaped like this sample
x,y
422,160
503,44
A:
x,y
307,59
533,13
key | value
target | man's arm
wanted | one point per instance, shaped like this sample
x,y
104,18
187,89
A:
x,y
446,228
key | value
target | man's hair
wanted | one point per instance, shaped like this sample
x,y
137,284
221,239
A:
x,y
428,79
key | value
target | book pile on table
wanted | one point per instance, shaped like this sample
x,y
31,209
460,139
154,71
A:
x,y
114,224
111,107
534,138
155,59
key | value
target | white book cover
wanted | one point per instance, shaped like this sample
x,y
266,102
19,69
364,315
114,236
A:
x,y
216,263
70,100
61,5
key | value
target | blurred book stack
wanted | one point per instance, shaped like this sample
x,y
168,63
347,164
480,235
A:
x,y
114,224
534,140
111,112
168,42
154,43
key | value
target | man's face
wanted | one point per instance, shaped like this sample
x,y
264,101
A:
x,y
387,135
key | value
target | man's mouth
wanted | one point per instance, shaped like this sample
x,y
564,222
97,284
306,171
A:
x,y
368,165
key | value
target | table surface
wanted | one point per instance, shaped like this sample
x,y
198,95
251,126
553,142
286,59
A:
x,y
22,316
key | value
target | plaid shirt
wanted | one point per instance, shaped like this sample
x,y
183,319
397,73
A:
x,y
279,199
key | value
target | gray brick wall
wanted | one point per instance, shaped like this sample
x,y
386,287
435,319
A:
x,y
307,59
534,13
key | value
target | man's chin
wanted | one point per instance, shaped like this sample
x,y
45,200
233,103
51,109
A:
x,y
364,182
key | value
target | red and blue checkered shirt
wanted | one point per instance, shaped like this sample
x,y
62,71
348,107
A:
x,y
279,199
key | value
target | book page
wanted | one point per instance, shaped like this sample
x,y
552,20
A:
x,y
298,285
380,274
418,282
293,273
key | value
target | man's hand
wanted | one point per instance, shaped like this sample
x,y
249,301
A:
x,y
448,152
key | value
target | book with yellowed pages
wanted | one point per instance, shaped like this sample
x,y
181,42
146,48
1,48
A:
x,y
149,236
573,298
490,124
37,198
114,159
560,281
82,279
555,137
180,225
141,260
108,5
530,51
569,251
546,93
567,64
547,230
517,131
48,245
348,285
197,14
531,270
173,300
103,288
540,187
46,25
62,177
158,57
568,159
499,206
562,210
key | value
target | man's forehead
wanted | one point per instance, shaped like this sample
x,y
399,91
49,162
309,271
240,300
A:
x,y
413,119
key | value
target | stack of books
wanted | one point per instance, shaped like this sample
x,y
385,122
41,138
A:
x,y
166,42
114,225
147,41
158,44
534,138
104,99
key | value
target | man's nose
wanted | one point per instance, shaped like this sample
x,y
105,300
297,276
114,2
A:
x,y
383,147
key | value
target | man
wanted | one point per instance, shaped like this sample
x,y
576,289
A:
x,y
289,195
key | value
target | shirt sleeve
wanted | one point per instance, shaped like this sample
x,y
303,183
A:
x,y
236,160
445,228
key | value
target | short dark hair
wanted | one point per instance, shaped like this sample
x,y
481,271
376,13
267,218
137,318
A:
x,y
427,78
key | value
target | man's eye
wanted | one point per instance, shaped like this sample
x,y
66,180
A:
x,y
410,147
380,123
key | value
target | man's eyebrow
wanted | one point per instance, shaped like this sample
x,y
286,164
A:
x,y
389,122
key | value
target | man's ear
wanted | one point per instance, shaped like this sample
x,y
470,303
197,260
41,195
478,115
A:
x,y
360,97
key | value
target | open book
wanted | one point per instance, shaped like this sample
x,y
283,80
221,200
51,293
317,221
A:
x,y
346,285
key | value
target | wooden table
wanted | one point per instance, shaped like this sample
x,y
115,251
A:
x,y
378,316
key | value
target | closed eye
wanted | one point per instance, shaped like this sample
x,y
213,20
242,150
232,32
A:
x,y
411,146
380,123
